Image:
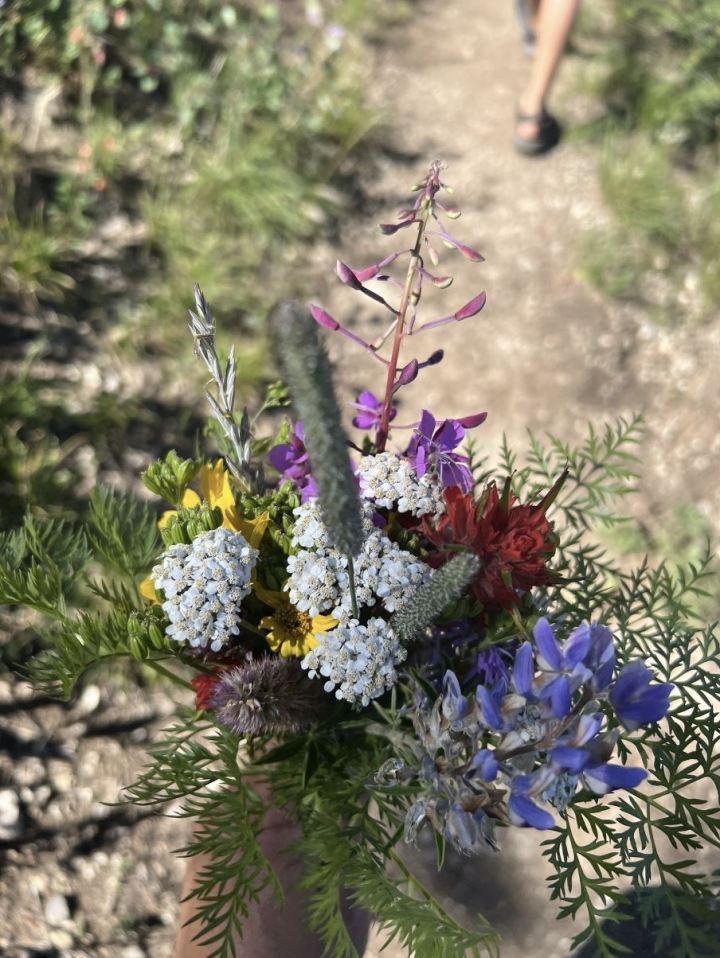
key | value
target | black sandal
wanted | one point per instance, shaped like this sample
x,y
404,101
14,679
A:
x,y
548,135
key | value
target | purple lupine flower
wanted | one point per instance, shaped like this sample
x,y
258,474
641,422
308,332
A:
x,y
369,409
604,778
586,657
635,701
492,670
454,704
431,448
522,810
292,462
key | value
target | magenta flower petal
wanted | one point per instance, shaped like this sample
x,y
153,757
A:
x,y
471,308
470,422
323,318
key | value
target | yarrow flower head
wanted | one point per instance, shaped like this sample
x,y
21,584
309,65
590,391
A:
x,y
358,661
292,462
203,585
318,579
431,449
389,481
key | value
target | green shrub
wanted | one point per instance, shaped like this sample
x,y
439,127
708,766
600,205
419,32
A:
x,y
660,84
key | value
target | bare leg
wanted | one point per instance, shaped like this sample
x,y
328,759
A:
x,y
554,21
269,931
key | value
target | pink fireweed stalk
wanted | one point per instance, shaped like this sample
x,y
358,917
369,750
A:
x,y
422,214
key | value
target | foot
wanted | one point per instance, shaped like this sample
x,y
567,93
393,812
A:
x,y
536,133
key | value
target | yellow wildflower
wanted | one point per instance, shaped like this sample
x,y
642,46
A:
x,y
291,632
217,492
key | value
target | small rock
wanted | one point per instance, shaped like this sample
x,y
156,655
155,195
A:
x,y
9,814
57,910
59,938
132,951
89,700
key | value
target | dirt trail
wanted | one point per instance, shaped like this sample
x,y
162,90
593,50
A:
x,y
546,353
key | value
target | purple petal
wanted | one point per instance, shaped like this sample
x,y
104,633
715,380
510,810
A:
x,y
370,272
365,420
467,251
472,308
550,655
488,708
577,647
470,422
485,764
323,318
454,473
606,778
433,359
448,435
407,374
560,696
587,728
523,811
441,282
309,490
389,228
426,426
368,400
449,209
523,669
281,456
570,759
346,275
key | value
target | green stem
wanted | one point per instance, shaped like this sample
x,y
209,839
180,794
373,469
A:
x,y
161,670
412,879
353,593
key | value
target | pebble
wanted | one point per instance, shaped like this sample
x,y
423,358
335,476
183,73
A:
x,y
57,910
132,951
59,938
9,814
89,700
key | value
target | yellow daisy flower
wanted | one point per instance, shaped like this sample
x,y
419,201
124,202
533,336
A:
x,y
290,632
217,492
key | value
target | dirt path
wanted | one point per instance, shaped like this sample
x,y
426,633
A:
x,y
546,353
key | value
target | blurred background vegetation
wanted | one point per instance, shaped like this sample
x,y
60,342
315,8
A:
x,y
145,144
656,74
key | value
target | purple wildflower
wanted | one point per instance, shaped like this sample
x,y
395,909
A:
x,y
635,701
431,448
369,409
291,461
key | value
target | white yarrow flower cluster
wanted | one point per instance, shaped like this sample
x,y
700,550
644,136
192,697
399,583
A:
x,y
204,584
318,581
391,482
358,661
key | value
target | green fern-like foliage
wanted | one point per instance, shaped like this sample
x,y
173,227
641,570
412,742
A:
x,y
605,849
604,852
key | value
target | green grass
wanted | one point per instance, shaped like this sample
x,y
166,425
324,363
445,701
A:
x,y
656,72
198,141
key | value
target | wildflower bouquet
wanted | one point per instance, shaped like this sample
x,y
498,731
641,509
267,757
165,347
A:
x,y
401,639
